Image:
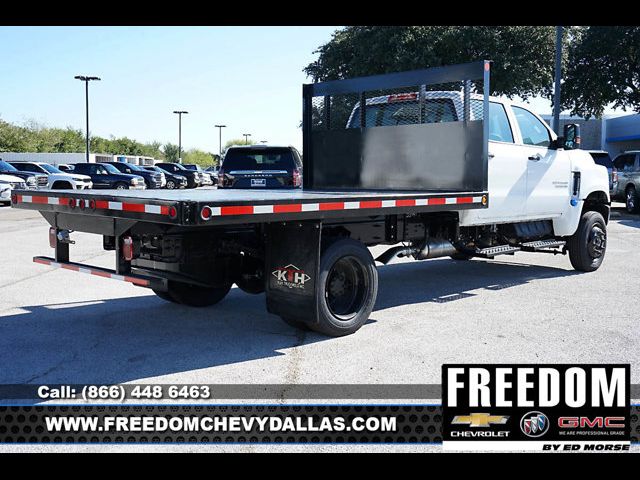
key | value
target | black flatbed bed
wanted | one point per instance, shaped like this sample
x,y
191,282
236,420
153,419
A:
x,y
241,206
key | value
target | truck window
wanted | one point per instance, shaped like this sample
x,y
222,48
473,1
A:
x,y
533,130
602,159
499,127
405,113
259,159
625,162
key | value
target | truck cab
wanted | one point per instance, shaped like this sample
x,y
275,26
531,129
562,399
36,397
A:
x,y
531,177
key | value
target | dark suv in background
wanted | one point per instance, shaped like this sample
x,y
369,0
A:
x,y
173,180
104,175
193,178
151,179
261,166
603,158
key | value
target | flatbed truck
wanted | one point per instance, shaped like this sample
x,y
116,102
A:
x,y
481,178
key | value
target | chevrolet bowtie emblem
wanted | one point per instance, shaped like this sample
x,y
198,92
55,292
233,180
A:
x,y
479,420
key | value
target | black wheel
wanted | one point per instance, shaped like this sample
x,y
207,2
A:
x,y
461,256
251,279
347,288
588,245
296,323
632,200
170,184
121,186
195,295
165,296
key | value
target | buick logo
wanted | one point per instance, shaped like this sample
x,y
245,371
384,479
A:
x,y
534,424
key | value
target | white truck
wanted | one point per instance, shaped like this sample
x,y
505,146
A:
x,y
56,178
429,174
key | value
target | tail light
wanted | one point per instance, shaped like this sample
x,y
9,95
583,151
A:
x,y
297,179
221,177
206,213
127,248
614,175
52,237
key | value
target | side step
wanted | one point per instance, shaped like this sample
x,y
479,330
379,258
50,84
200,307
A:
x,y
542,245
491,252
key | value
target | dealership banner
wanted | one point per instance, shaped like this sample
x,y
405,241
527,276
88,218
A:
x,y
536,407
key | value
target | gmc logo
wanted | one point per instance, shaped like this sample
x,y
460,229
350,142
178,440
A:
x,y
595,422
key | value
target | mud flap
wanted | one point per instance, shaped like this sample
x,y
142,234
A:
x,y
292,269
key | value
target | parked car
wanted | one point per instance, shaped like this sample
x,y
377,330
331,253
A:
x,y
173,180
57,179
104,175
260,166
193,178
626,180
205,178
7,184
31,180
151,179
603,158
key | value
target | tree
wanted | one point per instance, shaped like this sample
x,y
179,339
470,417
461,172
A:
x,y
523,56
603,68
170,151
198,157
232,142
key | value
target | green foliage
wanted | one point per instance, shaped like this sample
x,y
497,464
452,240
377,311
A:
x,y
170,152
204,159
602,69
523,55
232,142
34,137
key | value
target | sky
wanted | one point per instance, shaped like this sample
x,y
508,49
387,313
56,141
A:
x,y
249,78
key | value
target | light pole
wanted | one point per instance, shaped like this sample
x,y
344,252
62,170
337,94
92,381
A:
x,y
220,127
558,76
86,81
180,112
246,138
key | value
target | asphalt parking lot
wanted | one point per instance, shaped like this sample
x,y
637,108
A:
x,y
59,327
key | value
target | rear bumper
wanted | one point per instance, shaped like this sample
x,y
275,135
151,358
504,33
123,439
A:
x,y
155,283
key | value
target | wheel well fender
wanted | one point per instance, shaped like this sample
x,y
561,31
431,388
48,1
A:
x,y
598,202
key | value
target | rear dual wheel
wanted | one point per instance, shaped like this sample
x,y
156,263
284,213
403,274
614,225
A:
x,y
346,289
193,295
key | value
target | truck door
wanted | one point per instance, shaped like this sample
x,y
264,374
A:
x,y
624,164
507,175
548,170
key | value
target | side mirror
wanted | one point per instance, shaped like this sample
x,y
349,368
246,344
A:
x,y
571,138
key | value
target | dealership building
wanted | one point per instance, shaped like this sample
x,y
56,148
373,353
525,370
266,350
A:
x,y
613,134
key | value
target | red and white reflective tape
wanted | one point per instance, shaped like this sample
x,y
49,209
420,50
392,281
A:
x,y
330,206
93,271
99,204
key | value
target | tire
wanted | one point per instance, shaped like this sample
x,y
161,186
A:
x,y
342,309
296,324
170,185
251,278
195,295
632,201
461,256
165,296
588,245
121,186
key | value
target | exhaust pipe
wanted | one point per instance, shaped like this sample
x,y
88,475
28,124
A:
x,y
434,248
